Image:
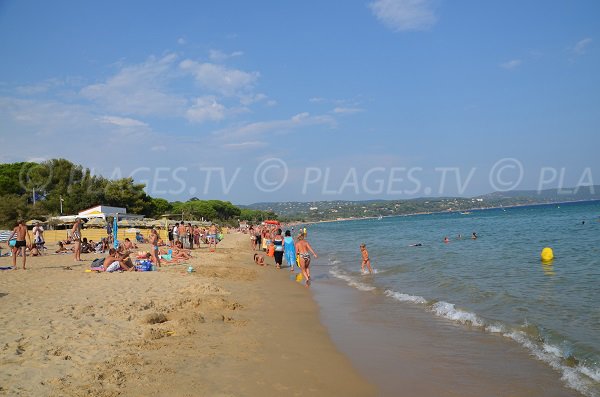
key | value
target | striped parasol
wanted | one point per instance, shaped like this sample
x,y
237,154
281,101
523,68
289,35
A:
x,y
5,234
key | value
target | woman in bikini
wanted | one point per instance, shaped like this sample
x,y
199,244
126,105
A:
x,y
304,249
76,239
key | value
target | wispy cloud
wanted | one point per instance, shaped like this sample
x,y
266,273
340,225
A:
x,y
403,15
139,90
220,56
245,145
582,45
275,126
511,65
206,109
122,121
347,110
39,88
220,79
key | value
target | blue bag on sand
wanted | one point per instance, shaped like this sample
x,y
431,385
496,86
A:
x,y
143,265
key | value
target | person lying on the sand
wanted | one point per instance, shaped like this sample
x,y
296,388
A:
x,y
129,245
259,259
179,254
33,250
61,248
179,247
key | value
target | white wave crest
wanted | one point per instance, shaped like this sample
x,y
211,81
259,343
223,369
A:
x,y
350,281
405,297
552,356
447,310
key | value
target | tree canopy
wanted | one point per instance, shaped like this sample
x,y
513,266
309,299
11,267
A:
x,y
34,190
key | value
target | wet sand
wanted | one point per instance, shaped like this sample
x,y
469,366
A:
x,y
406,351
231,328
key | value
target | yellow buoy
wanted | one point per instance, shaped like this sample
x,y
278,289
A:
x,y
547,255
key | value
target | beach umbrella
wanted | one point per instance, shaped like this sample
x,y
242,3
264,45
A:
x,y
157,223
115,233
96,222
125,222
33,222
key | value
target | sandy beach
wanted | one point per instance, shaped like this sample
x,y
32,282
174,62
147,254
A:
x,y
230,328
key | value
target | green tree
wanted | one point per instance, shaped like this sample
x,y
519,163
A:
x,y
12,208
125,193
160,207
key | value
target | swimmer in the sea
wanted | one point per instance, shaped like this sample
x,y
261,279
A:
x,y
416,245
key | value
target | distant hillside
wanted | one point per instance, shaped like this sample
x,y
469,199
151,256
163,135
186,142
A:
x,y
554,195
343,209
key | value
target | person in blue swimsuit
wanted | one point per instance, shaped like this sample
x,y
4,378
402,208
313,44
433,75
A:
x,y
289,249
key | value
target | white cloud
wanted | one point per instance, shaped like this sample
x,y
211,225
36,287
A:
x,y
581,46
250,99
401,15
39,88
346,110
219,79
275,126
220,56
206,109
181,41
139,90
245,145
511,65
122,121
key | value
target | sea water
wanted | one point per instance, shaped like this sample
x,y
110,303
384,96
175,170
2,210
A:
x,y
495,283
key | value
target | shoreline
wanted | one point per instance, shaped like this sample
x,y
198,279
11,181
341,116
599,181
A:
x,y
230,328
441,212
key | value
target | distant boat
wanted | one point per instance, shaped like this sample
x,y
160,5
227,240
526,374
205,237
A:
x,y
379,217
465,213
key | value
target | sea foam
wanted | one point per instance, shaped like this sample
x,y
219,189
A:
x,y
336,272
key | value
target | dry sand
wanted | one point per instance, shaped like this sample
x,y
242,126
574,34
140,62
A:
x,y
229,329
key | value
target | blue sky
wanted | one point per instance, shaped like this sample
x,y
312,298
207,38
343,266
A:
x,y
278,101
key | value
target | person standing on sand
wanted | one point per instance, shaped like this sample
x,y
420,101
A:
x,y
21,234
289,250
304,249
365,259
76,238
181,233
154,247
38,236
212,237
278,248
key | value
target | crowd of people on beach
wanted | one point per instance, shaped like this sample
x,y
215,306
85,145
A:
x,y
182,239
269,238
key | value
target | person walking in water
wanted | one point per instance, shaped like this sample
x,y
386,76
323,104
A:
x,y
365,259
304,249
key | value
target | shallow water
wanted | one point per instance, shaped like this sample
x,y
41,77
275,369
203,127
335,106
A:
x,y
495,285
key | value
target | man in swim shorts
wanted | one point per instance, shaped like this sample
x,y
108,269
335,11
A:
x,y
21,234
